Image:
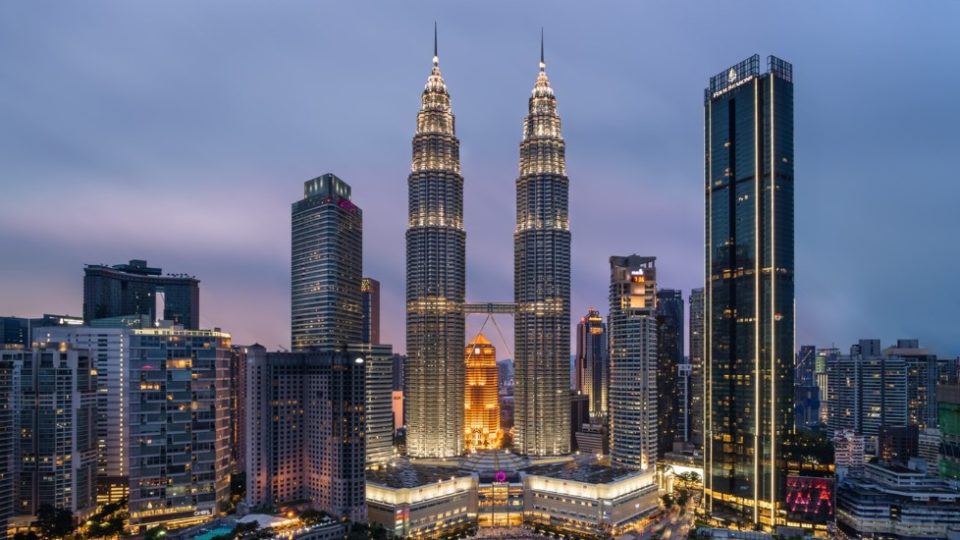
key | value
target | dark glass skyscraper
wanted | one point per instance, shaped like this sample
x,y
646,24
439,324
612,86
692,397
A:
x,y
326,266
370,306
669,357
541,277
137,289
749,288
696,367
436,279
593,363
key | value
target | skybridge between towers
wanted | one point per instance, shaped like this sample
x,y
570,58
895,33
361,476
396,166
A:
x,y
489,308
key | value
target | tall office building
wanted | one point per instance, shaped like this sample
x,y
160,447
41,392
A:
x,y
326,266
806,362
179,426
749,289
633,361
669,313
57,447
697,331
378,404
482,403
305,429
138,289
370,307
436,279
9,422
592,364
541,280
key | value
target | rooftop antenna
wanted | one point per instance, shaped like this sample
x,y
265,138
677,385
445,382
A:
x,y
436,59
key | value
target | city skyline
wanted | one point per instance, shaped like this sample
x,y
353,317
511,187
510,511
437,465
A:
x,y
644,143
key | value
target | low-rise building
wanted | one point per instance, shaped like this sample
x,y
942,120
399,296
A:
x,y
895,502
574,497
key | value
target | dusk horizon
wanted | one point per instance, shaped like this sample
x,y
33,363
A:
x,y
181,134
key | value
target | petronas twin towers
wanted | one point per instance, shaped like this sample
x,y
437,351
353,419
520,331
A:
x,y
436,281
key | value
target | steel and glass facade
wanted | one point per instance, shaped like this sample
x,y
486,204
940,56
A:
x,y
696,366
749,288
326,266
633,362
593,363
670,404
436,280
542,281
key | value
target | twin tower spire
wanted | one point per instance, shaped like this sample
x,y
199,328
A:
x,y
436,280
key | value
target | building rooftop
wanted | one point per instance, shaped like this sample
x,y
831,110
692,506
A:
x,y
585,470
411,475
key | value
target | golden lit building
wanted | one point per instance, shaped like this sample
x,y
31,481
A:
x,y
481,403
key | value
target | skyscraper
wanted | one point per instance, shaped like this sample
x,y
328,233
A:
x,y
370,306
633,361
592,362
436,279
806,361
179,407
542,281
8,427
749,288
670,321
697,402
137,289
326,266
378,414
57,429
482,404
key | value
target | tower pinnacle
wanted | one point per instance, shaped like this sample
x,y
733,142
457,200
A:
x,y
436,58
543,64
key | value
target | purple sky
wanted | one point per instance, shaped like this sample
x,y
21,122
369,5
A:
x,y
180,132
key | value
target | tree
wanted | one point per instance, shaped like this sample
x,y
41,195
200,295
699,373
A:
x,y
667,500
155,533
312,517
53,522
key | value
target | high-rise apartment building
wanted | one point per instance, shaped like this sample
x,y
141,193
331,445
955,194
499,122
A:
x,y
326,266
749,289
865,391
541,262
697,331
238,425
482,403
370,307
9,422
305,429
924,372
56,420
436,279
109,349
138,289
592,365
178,391
669,313
633,362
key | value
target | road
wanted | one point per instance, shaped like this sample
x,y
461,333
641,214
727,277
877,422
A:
x,y
672,525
